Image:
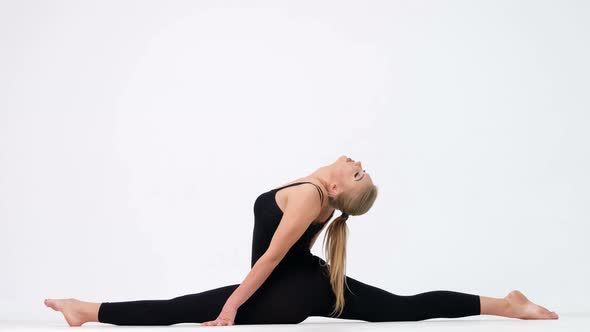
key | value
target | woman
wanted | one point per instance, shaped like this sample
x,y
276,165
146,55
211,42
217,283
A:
x,y
287,283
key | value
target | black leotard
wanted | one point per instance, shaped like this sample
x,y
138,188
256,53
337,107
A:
x,y
267,216
297,288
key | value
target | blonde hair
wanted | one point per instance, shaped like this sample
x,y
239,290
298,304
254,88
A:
x,y
336,235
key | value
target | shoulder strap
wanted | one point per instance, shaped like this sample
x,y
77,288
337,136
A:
x,y
298,183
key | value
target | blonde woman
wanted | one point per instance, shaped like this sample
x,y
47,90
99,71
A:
x,y
287,283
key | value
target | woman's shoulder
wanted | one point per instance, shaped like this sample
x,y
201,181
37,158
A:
x,y
319,189
302,180
283,197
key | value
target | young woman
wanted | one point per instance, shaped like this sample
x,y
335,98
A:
x,y
287,283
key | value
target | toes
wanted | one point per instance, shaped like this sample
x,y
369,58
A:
x,y
543,313
51,304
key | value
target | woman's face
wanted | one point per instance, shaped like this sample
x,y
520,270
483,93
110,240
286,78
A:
x,y
349,175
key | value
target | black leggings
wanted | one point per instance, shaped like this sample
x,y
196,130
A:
x,y
290,296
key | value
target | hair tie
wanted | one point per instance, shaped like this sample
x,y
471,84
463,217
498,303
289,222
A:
x,y
344,215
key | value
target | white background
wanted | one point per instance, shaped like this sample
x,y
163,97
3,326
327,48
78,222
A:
x,y
135,137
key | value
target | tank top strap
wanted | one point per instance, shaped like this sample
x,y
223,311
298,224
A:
x,y
298,183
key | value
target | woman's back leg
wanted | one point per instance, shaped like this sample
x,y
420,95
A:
x,y
373,304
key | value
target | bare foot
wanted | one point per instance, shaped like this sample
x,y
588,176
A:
x,y
70,308
521,307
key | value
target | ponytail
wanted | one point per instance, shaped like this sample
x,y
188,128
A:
x,y
336,236
335,252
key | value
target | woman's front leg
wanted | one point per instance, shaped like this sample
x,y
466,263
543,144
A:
x,y
192,308
75,312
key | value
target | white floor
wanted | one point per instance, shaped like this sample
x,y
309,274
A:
x,y
578,322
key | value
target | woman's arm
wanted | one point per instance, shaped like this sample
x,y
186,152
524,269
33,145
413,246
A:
x,y
302,208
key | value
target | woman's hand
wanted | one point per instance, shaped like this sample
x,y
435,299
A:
x,y
226,317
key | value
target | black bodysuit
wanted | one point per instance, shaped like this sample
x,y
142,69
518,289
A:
x,y
297,288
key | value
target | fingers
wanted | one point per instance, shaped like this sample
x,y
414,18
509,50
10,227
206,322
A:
x,y
218,322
